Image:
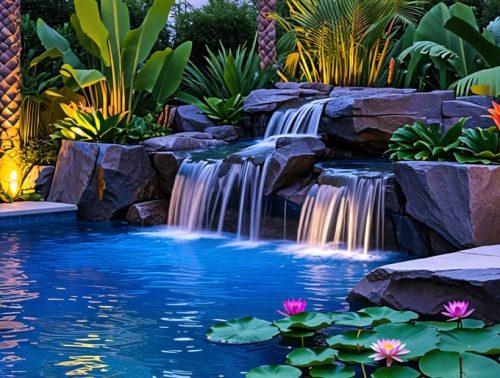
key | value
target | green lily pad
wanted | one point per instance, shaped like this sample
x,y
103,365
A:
x,y
440,364
298,334
351,319
306,357
242,331
461,340
356,358
495,328
352,340
304,320
446,326
381,315
274,371
396,372
331,372
418,339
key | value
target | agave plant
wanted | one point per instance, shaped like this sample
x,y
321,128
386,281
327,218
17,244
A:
x,y
479,146
343,42
421,142
223,112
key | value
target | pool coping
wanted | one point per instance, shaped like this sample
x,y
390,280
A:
x,y
30,212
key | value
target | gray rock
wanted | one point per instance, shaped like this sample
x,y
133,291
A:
x,y
370,134
410,236
459,109
167,165
268,100
151,213
461,202
190,118
39,178
102,179
424,285
320,87
181,141
469,124
293,158
226,133
286,85
484,101
297,192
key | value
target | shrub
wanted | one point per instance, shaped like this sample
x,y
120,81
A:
x,y
40,152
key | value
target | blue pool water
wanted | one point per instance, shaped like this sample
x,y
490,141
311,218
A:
x,y
109,300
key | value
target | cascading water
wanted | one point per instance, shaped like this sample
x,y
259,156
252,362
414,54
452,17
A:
x,y
302,120
201,198
349,215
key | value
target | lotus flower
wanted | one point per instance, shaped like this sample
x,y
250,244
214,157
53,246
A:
x,y
390,349
495,114
293,306
457,310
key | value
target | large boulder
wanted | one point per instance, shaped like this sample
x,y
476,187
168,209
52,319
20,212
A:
x,y
461,202
424,285
39,179
182,141
226,133
167,165
293,158
151,213
268,100
191,118
102,179
456,109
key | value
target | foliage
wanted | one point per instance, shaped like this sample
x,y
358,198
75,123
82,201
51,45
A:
x,y
421,142
230,21
479,146
40,152
343,42
227,73
437,349
223,112
448,50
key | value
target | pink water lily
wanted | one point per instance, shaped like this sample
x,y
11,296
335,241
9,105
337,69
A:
x,y
293,306
389,349
457,310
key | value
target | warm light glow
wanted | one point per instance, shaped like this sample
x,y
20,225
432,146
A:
x,y
13,183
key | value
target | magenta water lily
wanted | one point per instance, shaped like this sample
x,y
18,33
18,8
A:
x,y
388,349
293,307
457,310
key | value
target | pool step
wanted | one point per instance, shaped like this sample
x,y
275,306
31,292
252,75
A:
x,y
30,212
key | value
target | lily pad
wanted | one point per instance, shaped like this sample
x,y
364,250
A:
x,y
352,340
356,358
274,371
304,320
300,334
396,372
440,364
331,372
306,357
461,340
418,339
446,326
495,328
351,319
242,331
381,315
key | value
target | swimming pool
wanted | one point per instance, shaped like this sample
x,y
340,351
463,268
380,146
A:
x,y
107,299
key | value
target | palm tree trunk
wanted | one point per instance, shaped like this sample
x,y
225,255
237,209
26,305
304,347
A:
x,y
10,71
267,33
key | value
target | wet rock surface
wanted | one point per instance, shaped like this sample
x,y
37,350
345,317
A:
x,y
151,213
190,118
182,141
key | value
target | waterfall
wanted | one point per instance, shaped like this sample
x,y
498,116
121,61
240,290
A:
x,y
349,216
202,196
302,120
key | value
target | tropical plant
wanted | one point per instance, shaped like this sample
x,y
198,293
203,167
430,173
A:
x,y
376,340
421,142
479,146
39,152
449,51
223,112
343,42
122,67
227,74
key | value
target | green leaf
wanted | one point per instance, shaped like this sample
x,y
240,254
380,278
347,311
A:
x,y
396,372
83,38
242,331
356,358
439,364
304,320
91,24
274,371
352,340
446,326
418,339
150,72
52,53
383,314
331,372
298,334
351,319
116,18
306,357
79,79
461,340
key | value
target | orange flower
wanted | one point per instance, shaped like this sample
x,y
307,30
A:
x,y
392,71
495,114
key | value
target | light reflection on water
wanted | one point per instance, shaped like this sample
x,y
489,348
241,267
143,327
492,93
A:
x,y
107,300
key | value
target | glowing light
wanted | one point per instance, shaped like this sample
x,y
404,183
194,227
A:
x,y
13,183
